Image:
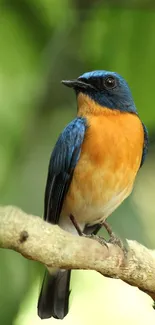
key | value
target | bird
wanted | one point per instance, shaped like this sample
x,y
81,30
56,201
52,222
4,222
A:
x,y
92,168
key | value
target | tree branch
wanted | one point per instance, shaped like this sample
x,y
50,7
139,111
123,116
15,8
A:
x,y
40,241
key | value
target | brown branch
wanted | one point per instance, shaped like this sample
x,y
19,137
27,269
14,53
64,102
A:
x,y
49,244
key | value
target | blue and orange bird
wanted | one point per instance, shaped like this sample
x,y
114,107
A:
x,y
92,168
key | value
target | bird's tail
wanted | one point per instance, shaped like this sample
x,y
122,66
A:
x,y
54,295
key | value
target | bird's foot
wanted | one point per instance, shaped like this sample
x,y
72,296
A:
x,y
100,239
114,239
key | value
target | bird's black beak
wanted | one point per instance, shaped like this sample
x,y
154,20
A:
x,y
77,84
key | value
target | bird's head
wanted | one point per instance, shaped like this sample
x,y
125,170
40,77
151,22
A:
x,y
108,89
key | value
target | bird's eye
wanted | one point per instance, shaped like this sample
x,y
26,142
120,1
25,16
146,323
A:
x,y
110,82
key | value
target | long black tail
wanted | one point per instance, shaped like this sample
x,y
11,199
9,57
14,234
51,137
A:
x,y
54,295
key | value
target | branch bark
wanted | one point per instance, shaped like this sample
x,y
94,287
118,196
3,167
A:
x,y
40,241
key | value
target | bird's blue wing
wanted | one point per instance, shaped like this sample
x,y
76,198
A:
x,y
61,167
146,144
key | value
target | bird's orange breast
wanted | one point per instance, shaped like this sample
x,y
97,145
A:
x,y
110,158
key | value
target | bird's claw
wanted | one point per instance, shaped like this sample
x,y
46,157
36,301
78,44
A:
x,y
100,239
114,239
117,241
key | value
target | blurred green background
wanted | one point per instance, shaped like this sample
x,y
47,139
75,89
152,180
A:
x,y
41,43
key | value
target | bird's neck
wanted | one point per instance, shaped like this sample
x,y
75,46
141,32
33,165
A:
x,y
87,106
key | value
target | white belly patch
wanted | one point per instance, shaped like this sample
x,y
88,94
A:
x,y
92,214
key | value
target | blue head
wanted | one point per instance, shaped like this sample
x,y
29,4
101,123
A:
x,y
106,88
